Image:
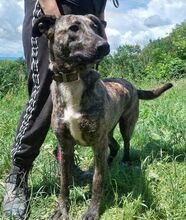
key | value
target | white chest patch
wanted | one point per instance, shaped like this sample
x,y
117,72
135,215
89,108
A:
x,y
71,93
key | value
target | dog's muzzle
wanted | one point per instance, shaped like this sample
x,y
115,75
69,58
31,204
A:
x,y
101,49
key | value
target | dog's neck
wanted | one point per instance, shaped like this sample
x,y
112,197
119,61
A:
x,y
88,75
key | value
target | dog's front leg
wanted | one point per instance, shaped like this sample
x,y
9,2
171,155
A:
x,y
100,154
65,177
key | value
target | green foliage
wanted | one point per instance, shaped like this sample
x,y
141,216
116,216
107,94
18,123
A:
x,y
12,74
125,60
179,40
166,56
169,68
160,59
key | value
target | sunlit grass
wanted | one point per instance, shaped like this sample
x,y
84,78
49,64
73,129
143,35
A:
x,y
152,188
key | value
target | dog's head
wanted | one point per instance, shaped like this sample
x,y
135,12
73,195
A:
x,y
74,40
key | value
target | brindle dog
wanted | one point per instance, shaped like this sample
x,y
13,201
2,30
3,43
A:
x,y
86,109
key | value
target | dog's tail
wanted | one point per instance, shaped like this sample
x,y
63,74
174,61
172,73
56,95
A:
x,y
152,94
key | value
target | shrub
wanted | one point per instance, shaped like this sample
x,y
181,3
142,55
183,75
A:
x,y
12,75
169,68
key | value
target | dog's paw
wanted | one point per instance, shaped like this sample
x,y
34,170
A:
x,y
90,215
60,215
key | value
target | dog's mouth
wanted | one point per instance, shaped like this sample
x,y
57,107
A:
x,y
93,57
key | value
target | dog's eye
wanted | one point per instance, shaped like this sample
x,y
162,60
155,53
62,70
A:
x,y
94,26
74,28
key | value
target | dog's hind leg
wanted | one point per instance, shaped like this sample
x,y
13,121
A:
x,y
113,146
127,125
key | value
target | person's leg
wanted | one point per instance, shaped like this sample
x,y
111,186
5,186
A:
x,y
35,119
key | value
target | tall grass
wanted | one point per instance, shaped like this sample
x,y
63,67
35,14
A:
x,y
152,188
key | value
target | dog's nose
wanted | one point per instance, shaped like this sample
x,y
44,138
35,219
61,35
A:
x,y
102,48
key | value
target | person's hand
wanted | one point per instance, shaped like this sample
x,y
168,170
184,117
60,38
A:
x,y
50,7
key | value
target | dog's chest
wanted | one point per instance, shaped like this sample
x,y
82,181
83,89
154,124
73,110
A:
x,y
71,94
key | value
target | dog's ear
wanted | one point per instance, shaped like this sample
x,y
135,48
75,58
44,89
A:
x,y
100,26
44,25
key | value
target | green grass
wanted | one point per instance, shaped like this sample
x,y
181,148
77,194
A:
x,y
153,188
